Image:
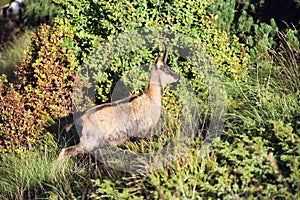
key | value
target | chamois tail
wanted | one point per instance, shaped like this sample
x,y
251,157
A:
x,y
71,151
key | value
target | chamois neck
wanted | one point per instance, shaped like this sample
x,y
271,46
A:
x,y
155,78
154,92
155,88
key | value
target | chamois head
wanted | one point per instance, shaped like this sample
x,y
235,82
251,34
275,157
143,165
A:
x,y
161,74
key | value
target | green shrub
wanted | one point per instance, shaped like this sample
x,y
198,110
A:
x,y
40,11
107,19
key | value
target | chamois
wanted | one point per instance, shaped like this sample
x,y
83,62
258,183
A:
x,y
113,123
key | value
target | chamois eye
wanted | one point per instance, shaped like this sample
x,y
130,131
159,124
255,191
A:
x,y
165,69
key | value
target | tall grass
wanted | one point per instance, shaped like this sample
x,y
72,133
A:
x,y
34,174
19,173
12,54
287,59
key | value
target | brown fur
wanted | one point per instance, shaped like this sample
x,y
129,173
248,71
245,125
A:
x,y
113,123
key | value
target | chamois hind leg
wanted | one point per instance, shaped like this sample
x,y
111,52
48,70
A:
x,y
71,151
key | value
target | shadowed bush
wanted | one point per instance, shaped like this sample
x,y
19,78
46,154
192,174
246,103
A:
x,y
46,78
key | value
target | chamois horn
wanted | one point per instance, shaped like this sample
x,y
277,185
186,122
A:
x,y
165,56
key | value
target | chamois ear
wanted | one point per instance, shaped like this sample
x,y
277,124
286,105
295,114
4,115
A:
x,y
158,63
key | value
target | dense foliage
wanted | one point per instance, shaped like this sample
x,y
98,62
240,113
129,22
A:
x,y
46,78
256,156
